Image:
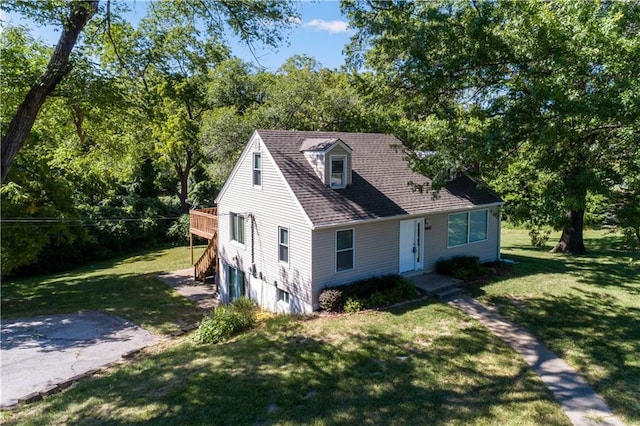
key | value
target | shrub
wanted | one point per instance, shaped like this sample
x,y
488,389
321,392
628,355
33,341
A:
x,y
353,305
373,292
226,321
539,237
330,300
377,299
462,267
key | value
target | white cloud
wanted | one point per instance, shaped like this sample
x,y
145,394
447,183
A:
x,y
333,27
294,20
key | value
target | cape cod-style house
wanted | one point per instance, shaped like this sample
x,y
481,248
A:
x,y
302,211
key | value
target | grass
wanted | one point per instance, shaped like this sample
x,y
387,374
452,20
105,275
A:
x,y
127,287
425,363
585,308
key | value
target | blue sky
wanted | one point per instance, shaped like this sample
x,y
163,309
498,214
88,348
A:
x,y
321,33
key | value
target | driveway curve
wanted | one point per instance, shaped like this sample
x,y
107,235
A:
x,y
47,352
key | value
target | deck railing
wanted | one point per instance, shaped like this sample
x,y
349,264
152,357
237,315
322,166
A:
x,y
203,222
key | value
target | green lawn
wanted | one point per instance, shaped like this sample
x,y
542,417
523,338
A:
x,y
127,287
586,309
425,363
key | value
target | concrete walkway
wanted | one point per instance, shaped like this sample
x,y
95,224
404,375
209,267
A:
x,y
578,400
182,281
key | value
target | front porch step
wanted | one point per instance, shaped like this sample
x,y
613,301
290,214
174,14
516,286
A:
x,y
450,294
440,286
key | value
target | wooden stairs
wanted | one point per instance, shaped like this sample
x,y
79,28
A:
x,y
204,223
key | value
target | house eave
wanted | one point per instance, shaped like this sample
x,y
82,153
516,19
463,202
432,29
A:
x,y
403,216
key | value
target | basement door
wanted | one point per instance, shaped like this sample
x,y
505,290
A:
x,y
411,245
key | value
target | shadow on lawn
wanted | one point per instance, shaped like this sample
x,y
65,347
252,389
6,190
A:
x,y
593,332
140,298
599,269
280,375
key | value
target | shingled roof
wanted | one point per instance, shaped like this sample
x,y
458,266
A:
x,y
380,185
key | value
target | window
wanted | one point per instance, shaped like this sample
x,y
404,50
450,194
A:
x,y
257,169
237,228
338,171
344,250
458,229
282,296
283,244
235,280
468,227
477,226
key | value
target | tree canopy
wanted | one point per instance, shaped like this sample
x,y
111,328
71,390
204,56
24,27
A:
x,y
545,96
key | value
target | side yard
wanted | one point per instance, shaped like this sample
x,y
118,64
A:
x,y
586,309
125,287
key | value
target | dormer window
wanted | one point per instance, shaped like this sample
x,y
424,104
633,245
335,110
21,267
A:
x,y
338,171
330,160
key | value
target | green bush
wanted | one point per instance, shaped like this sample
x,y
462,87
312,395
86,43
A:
x,y
461,267
330,300
377,299
373,292
353,305
539,237
226,321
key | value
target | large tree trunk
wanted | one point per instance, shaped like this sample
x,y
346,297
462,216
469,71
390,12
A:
x,y
80,13
571,241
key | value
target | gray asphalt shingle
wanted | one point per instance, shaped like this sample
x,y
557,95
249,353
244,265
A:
x,y
380,180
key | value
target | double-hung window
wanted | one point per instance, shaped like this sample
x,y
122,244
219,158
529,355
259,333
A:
x,y
283,244
237,228
257,169
468,227
338,178
344,250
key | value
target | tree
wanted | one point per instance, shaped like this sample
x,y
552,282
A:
x,y
80,12
544,95
250,20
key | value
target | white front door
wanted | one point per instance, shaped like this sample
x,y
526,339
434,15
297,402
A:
x,y
411,245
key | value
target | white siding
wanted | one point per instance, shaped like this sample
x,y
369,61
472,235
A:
x,y
377,249
316,159
436,241
265,209
376,253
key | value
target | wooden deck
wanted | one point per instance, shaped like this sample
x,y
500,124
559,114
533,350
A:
x,y
204,222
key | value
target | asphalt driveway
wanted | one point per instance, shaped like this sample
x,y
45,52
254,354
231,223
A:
x,y
41,352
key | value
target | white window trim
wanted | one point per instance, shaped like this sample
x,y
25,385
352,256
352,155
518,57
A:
x,y
253,169
231,229
468,213
286,245
286,300
344,171
353,249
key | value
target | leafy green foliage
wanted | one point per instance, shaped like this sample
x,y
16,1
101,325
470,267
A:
x,y
373,292
353,305
226,321
543,95
539,237
464,268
